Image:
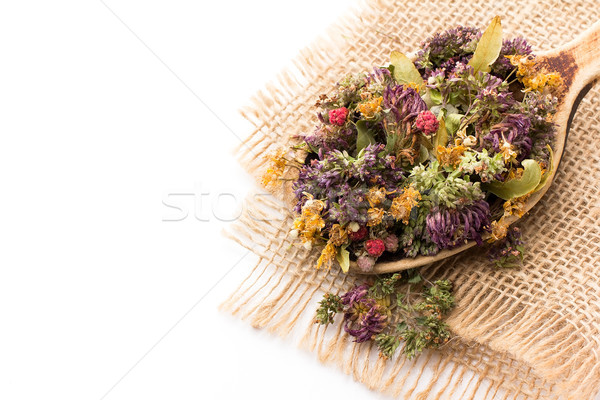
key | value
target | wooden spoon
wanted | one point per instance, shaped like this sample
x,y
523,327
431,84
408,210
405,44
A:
x,y
578,62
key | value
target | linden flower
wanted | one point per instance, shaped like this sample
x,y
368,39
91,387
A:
x,y
450,156
508,152
515,206
540,81
376,196
370,108
499,230
276,168
337,235
515,173
327,256
532,79
403,204
374,216
309,223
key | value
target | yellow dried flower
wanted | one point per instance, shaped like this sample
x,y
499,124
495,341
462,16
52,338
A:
x,y
369,108
374,216
414,86
499,230
276,168
508,152
327,256
515,173
531,78
309,223
515,206
376,196
403,204
338,235
450,156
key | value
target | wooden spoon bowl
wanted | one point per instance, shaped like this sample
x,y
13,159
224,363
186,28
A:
x,y
578,63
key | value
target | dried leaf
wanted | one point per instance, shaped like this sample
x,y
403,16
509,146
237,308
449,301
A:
x,y
441,138
453,122
488,48
343,257
405,71
365,136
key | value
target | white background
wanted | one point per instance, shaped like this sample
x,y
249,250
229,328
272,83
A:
x,y
105,116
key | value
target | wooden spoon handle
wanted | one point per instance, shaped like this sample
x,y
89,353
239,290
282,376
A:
x,y
586,51
579,60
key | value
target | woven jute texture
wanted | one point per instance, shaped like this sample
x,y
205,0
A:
x,y
528,333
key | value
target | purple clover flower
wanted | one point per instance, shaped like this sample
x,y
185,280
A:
x,y
514,129
363,317
404,103
452,227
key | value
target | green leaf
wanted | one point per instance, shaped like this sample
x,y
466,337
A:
x,y
404,70
365,136
343,257
423,154
416,278
435,96
488,48
441,138
453,122
391,143
531,178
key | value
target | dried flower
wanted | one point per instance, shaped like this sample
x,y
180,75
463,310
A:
x,y
338,116
375,216
276,168
514,130
515,206
309,223
452,227
427,122
365,263
369,109
327,256
499,230
328,307
376,196
403,204
450,156
363,317
375,247
508,252
391,243
531,77
359,235
337,235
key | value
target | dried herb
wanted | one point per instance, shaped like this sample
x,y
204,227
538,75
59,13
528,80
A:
x,y
328,307
394,309
437,142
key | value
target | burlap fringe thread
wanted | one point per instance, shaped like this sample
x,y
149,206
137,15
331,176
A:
x,y
509,344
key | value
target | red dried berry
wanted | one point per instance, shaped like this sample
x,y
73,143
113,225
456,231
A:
x,y
427,122
359,235
375,247
338,116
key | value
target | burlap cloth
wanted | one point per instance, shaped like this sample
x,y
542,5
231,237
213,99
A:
x,y
531,333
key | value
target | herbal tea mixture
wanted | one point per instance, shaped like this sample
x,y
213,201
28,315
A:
x,y
418,157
